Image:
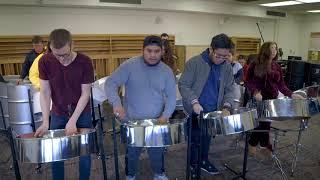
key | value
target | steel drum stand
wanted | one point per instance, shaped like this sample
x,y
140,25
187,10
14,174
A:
x,y
100,134
298,145
242,175
100,144
33,125
275,158
8,133
115,148
198,146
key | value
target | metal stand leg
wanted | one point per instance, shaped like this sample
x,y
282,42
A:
x,y
200,145
3,118
297,146
245,157
188,148
101,147
115,148
245,160
275,157
8,134
33,125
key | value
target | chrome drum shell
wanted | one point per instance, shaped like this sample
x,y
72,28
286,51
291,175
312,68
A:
x,y
284,109
241,120
54,146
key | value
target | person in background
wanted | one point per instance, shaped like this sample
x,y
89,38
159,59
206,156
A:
x,y
38,48
264,81
35,81
247,95
250,59
206,85
236,68
164,36
169,58
65,78
34,70
242,60
150,93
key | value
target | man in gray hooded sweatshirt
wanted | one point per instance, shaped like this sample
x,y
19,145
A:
x,y
207,85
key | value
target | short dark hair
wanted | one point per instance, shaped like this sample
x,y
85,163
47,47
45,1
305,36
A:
x,y
164,35
241,56
251,58
152,40
37,40
222,41
59,38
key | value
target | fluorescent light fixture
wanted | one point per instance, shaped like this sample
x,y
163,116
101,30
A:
x,y
314,11
283,3
309,1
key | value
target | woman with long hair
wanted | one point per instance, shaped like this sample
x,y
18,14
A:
x,y
168,57
264,81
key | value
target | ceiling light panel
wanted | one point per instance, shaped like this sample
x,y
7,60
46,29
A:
x,y
283,3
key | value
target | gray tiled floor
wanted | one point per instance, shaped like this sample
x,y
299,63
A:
x,y
222,151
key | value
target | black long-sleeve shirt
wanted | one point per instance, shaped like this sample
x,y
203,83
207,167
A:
x,y
30,57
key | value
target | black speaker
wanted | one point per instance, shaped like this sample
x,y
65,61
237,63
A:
x,y
296,74
313,74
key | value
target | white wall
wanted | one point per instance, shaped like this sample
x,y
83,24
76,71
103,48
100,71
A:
x,y
310,23
189,28
287,35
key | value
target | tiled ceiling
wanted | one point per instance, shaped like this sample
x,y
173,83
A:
x,y
301,8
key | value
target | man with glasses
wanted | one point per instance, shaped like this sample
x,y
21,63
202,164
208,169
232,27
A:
x,y
38,48
206,86
65,78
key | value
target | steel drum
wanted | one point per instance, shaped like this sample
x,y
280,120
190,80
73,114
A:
x,y
149,133
19,109
4,102
241,120
14,78
54,146
312,94
238,91
285,109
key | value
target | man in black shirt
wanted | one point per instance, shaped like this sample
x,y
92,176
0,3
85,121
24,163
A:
x,y
38,48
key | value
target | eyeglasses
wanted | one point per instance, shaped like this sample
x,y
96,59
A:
x,y
221,57
62,56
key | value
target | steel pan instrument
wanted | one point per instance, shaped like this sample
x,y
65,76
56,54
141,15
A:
x,y
241,120
54,146
312,93
284,109
149,133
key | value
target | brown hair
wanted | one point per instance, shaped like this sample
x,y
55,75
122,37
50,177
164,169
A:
x,y
37,40
59,38
262,63
168,57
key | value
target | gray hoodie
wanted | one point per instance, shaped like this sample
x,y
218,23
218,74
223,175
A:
x,y
194,78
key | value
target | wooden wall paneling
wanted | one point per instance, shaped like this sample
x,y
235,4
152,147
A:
x,y
246,46
181,54
107,51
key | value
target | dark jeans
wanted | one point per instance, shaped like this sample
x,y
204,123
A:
x,y
195,142
59,122
261,137
156,156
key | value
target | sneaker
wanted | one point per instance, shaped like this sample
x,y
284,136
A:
x,y
160,177
209,168
193,173
130,177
